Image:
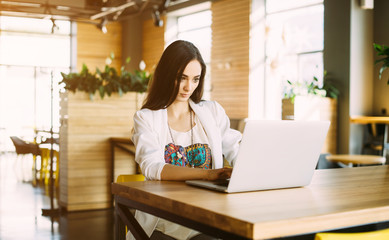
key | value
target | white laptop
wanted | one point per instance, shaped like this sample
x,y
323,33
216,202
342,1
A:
x,y
274,154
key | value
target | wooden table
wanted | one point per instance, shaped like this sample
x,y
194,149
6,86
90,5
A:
x,y
373,120
336,198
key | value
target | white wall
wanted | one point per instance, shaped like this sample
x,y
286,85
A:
x,y
361,71
349,33
337,17
381,36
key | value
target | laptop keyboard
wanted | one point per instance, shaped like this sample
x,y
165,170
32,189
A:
x,y
223,183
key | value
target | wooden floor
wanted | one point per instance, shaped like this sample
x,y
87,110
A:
x,y
21,207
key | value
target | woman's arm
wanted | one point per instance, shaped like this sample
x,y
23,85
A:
x,y
177,173
148,151
230,137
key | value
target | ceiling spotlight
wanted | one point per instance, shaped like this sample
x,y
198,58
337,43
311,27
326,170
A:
x,y
158,11
54,27
102,25
117,14
104,29
156,17
164,5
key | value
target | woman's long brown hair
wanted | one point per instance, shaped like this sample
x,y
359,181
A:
x,y
166,79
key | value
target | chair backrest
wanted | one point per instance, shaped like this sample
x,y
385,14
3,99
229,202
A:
x,y
377,131
23,147
238,124
374,235
130,178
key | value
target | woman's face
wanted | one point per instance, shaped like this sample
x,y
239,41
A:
x,y
190,79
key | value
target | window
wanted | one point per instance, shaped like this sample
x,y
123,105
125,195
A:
x,y
31,59
196,28
294,47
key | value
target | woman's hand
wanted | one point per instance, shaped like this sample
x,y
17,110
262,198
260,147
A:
x,y
176,173
220,173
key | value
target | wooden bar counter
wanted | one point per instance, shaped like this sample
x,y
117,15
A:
x,y
336,198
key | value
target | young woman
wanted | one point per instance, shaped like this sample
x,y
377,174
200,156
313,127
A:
x,y
179,137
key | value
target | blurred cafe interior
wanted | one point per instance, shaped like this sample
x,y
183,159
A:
x,y
62,145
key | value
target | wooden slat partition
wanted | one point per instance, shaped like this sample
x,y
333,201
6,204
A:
x,y
230,55
86,126
85,165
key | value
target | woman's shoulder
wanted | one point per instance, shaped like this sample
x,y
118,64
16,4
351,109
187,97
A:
x,y
213,106
147,113
208,104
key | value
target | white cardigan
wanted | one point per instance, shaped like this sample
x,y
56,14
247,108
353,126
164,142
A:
x,y
150,133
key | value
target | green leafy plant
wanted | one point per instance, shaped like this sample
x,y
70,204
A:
x,y
107,81
306,88
382,50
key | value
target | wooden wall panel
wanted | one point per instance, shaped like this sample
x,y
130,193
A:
x,y
93,46
153,42
230,55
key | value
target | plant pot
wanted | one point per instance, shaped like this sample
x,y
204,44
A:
x,y
310,108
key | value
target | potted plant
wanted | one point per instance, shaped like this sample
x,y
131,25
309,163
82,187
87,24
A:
x,y
310,101
382,50
106,81
328,89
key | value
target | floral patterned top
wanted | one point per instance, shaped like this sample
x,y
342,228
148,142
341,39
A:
x,y
197,155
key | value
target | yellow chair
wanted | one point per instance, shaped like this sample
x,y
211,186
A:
x,y
374,235
130,178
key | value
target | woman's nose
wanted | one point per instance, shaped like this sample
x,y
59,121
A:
x,y
187,86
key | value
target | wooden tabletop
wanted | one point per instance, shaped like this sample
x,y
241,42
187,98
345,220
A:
x,y
336,198
370,119
125,140
124,143
356,159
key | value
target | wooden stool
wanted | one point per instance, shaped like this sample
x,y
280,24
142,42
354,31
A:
x,y
356,159
45,166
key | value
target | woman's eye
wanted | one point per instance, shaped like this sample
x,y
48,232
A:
x,y
196,80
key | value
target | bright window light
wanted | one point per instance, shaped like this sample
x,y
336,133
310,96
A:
x,y
294,47
30,59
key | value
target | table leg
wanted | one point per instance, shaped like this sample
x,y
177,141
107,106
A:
x,y
123,215
384,141
120,231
